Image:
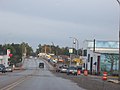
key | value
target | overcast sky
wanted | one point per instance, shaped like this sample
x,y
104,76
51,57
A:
x,y
45,21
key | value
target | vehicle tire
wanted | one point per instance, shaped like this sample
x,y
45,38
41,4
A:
x,y
3,71
67,73
57,71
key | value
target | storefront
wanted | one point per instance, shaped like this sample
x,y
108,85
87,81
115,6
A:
x,y
100,55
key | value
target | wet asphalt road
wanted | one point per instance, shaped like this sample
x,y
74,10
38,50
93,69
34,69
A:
x,y
34,78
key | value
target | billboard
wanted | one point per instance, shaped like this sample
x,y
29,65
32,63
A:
x,y
104,44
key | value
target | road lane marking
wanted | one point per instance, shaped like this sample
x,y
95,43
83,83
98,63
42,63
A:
x,y
9,87
13,85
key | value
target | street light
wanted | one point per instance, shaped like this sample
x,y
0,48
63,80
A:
x,y
119,39
76,45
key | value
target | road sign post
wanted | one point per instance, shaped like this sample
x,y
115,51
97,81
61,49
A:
x,y
70,51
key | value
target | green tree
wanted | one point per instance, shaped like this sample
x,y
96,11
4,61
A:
x,y
12,51
26,49
18,50
9,46
38,50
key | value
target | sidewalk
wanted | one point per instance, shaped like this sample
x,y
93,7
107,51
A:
x,y
113,79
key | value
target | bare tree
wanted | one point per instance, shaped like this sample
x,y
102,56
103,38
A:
x,y
112,59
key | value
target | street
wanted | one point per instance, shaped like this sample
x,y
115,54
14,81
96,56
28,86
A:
x,y
35,78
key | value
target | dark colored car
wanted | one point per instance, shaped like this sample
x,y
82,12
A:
x,y
41,65
2,68
58,68
72,70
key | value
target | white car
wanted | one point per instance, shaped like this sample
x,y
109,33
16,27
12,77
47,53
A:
x,y
9,69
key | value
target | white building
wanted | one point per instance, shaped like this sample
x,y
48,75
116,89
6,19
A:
x,y
93,52
4,58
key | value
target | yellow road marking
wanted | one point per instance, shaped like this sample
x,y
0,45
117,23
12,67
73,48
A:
x,y
11,86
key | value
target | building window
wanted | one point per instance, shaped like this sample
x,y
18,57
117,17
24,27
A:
x,y
88,57
84,52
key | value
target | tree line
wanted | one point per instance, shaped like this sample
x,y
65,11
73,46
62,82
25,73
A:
x,y
17,51
56,50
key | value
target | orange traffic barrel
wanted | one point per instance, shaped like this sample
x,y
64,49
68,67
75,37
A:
x,y
104,76
85,72
78,72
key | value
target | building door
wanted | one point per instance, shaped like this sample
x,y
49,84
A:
x,y
91,65
98,65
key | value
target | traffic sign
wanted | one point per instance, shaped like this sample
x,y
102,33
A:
x,y
71,50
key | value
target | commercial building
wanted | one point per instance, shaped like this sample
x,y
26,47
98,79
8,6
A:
x,y
4,56
100,56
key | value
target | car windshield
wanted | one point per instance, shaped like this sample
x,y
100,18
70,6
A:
x,y
1,65
72,68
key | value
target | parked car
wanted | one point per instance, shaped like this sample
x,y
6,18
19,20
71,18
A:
x,y
63,69
9,69
72,70
2,68
41,65
58,68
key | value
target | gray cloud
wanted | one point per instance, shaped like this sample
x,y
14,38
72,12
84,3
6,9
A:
x,y
46,21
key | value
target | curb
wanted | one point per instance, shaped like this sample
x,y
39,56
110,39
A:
x,y
114,81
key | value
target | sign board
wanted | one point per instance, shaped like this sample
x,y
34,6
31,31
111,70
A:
x,y
1,57
8,53
71,50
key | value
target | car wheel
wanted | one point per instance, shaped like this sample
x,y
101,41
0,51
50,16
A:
x,y
67,73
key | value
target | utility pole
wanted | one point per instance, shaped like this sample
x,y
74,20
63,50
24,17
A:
x,y
45,49
76,42
24,51
119,39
